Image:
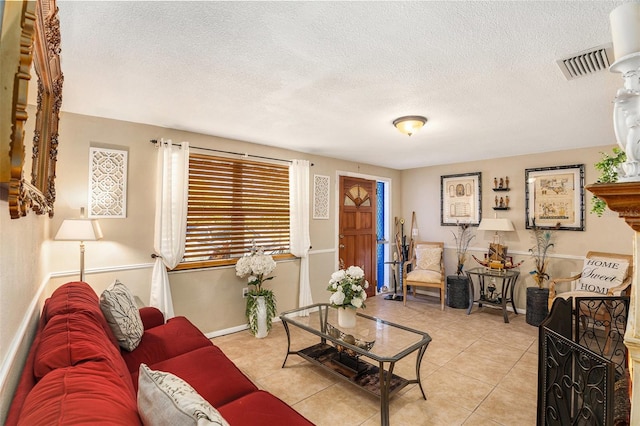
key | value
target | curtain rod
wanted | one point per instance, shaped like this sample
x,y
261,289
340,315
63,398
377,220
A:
x,y
154,141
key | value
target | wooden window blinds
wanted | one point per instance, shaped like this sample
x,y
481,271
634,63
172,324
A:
x,y
234,203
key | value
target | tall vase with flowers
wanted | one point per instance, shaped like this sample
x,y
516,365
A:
x,y
539,252
463,238
458,285
537,297
261,302
348,288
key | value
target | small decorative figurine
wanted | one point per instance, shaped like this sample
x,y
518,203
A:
x,y
506,181
495,183
496,201
506,201
501,184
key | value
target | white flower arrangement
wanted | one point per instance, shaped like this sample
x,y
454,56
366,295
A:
x,y
256,265
348,288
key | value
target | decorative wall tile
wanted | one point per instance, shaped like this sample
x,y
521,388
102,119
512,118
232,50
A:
x,y
320,197
108,183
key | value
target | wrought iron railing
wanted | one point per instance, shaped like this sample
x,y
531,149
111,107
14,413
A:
x,y
581,355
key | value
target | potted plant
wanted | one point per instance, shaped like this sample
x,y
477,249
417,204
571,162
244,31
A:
x,y
261,302
608,167
458,285
348,288
538,296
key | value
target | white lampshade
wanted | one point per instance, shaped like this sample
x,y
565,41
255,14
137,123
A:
x,y
79,230
496,224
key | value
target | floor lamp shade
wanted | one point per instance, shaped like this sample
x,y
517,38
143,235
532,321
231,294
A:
x,y
79,230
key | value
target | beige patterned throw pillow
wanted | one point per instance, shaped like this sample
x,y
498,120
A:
x,y
166,400
428,258
122,315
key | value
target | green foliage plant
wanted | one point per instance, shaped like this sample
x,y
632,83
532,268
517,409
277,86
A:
x,y
608,167
252,308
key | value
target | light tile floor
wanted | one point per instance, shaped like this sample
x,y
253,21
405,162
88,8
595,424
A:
x,y
476,371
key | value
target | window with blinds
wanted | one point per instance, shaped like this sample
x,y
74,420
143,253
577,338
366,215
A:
x,y
234,204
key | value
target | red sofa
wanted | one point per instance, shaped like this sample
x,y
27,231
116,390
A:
x,y
77,374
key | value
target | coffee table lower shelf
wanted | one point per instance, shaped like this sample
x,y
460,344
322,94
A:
x,y
355,370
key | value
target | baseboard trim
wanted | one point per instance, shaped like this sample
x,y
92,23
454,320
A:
x,y
231,330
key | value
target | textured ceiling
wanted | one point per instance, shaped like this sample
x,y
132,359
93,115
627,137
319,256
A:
x,y
328,78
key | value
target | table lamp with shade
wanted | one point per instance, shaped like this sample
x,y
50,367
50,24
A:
x,y
82,230
497,251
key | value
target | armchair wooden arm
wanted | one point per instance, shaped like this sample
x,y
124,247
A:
x,y
553,282
620,290
405,266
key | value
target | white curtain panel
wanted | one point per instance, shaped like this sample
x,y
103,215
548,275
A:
x,y
299,225
172,182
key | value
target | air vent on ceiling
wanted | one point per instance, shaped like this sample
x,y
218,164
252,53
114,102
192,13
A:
x,y
587,62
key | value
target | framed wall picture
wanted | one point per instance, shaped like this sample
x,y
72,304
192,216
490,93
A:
x,y
320,197
107,183
461,199
555,197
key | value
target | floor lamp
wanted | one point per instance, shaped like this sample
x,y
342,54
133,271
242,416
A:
x,y
79,230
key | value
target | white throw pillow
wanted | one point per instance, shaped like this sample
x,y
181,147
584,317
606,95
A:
x,y
166,399
122,315
428,257
601,274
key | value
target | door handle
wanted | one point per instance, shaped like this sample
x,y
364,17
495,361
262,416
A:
x,y
341,236
341,246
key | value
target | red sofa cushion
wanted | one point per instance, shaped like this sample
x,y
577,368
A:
x,y
209,372
174,338
74,297
85,394
260,408
75,338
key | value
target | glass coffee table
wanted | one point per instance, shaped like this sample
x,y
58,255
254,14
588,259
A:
x,y
364,355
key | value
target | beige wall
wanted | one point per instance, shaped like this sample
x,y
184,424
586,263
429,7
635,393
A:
x,y
421,193
211,298
22,265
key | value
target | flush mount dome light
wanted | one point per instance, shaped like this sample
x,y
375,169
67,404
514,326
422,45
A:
x,y
409,124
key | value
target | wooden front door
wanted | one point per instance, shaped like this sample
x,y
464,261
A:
x,y
357,239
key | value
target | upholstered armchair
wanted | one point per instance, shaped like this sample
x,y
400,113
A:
x,y
427,269
603,274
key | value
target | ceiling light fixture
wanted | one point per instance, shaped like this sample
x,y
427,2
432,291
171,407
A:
x,y
409,124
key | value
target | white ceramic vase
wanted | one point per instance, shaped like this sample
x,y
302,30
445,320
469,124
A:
x,y
346,317
261,313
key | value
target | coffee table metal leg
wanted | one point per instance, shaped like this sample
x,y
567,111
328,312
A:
x,y
385,382
286,329
421,353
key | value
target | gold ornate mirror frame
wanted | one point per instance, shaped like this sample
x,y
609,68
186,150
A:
x,y
39,42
